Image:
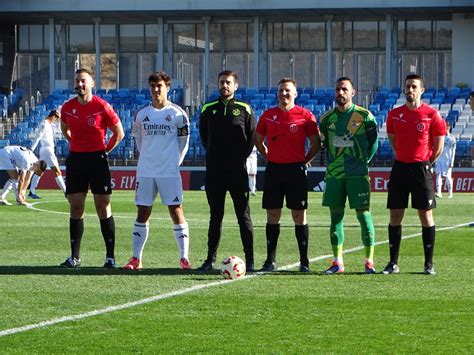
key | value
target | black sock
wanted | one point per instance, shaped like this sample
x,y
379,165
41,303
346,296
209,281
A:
x,y
76,230
272,233
428,235
107,226
394,239
302,236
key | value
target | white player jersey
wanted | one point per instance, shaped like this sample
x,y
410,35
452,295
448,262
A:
x,y
45,137
446,159
16,157
162,138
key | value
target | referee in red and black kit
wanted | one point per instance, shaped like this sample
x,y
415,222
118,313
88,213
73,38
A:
x,y
227,130
416,133
84,123
282,133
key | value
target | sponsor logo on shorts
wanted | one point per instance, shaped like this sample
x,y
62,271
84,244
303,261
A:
x,y
176,199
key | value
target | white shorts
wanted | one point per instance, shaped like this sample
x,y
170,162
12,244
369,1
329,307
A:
x,y
443,171
47,154
5,161
170,190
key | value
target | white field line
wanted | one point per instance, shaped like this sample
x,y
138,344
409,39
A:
x,y
225,223
183,291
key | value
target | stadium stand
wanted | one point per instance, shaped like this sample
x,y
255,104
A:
x,y
452,104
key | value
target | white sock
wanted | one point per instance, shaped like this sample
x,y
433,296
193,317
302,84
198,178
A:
x,y
60,181
140,236
181,235
449,183
15,188
252,183
439,183
34,183
6,188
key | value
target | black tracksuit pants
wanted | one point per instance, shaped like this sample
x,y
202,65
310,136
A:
x,y
216,194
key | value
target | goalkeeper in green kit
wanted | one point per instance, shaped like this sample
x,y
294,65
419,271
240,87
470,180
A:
x,y
349,134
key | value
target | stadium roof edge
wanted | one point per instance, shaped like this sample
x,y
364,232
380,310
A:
x,y
212,5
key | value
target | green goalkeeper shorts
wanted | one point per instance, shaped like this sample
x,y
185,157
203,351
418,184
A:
x,y
356,189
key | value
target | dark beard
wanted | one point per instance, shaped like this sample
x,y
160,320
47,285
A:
x,y
341,100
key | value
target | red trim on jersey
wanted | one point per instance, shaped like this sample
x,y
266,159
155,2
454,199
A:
x,y
286,133
414,131
88,123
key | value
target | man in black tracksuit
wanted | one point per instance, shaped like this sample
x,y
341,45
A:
x,y
227,129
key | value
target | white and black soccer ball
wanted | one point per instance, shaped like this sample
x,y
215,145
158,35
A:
x,y
233,268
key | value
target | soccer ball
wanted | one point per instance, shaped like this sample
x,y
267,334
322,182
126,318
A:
x,y
233,268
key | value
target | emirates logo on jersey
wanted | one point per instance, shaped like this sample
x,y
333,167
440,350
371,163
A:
x,y
293,128
420,127
91,122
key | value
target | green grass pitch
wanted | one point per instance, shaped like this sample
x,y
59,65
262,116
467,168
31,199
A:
x,y
166,310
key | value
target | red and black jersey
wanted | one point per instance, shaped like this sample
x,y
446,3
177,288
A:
x,y
414,131
286,133
88,123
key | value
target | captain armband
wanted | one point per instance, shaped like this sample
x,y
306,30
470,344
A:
x,y
184,131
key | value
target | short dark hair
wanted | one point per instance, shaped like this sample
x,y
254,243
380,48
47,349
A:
x,y
42,165
345,78
287,80
229,73
415,77
472,93
159,76
84,70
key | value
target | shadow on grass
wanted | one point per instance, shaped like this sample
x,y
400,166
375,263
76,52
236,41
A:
x,y
99,271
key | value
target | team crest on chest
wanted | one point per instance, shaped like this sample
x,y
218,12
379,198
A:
x,y
91,121
420,127
236,112
293,128
168,118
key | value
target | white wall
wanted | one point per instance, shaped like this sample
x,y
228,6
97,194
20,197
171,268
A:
x,y
463,49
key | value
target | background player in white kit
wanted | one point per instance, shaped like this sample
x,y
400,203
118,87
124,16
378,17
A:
x,y
46,140
444,164
20,164
161,132
252,171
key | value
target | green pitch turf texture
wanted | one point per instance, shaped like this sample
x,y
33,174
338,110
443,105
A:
x,y
282,312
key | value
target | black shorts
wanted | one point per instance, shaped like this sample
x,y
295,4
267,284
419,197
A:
x,y
411,178
88,169
285,180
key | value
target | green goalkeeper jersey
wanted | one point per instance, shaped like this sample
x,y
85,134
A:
x,y
350,139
